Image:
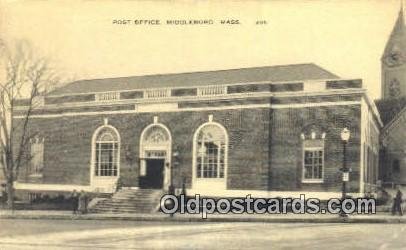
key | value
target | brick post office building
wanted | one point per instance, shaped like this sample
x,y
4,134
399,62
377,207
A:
x,y
266,131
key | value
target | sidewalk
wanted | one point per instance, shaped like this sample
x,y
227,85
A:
x,y
263,218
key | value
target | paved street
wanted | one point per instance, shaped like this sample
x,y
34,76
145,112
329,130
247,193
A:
x,y
95,234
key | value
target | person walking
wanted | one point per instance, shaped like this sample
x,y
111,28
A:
x,y
75,201
397,203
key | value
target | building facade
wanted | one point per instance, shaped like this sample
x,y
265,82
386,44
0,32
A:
x,y
392,106
266,131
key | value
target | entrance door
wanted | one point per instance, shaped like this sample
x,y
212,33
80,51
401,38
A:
x,y
154,174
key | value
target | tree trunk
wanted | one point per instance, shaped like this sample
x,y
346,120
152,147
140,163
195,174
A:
x,y
10,194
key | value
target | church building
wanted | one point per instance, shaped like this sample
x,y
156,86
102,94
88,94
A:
x,y
266,131
392,106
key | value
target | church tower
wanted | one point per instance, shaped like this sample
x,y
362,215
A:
x,y
393,61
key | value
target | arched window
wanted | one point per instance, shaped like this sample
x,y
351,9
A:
x,y
106,152
155,135
210,156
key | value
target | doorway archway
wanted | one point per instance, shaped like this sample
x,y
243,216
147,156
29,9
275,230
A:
x,y
155,155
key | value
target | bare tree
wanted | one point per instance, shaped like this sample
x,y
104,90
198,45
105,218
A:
x,y
26,79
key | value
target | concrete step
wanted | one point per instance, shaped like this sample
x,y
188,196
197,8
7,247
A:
x,y
125,205
130,201
122,210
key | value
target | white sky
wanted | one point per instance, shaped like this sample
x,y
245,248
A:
x,y
346,37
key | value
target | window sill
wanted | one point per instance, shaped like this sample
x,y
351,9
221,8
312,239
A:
x,y
210,179
312,181
35,175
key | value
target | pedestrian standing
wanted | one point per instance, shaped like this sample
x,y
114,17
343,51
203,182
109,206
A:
x,y
82,202
119,184
75,201
397,203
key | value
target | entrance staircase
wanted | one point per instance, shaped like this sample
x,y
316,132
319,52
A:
x,y
130,201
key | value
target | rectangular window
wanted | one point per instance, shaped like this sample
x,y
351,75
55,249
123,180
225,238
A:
x,y
313,161
105,159
210,163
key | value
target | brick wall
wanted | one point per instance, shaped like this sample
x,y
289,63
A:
x,y
265,150
286,146
67,153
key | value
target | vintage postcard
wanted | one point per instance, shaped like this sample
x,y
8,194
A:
x,y
202,124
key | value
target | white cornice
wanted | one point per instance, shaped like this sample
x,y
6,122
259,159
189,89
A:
x,y
172,109
329,92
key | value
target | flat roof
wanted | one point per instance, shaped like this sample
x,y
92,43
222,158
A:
x,y
279,73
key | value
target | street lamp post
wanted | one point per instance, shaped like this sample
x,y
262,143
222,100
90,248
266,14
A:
x,y
345,136
171,188
175,163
